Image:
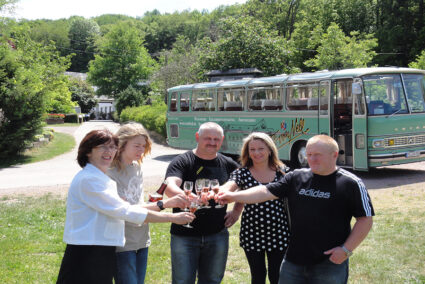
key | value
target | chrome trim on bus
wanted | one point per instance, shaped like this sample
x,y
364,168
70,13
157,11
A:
x,y
394,157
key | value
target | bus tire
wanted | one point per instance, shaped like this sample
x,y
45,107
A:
x,y
299,156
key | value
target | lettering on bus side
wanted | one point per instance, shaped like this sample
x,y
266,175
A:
x,y
285,136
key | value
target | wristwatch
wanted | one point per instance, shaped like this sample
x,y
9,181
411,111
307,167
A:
x,y
347,251
160,204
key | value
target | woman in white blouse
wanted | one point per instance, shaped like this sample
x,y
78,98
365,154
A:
x,y
95,214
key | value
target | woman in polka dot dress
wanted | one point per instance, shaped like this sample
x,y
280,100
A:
x,y
264,226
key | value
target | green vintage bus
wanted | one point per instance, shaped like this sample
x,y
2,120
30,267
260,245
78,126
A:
x,y
377,115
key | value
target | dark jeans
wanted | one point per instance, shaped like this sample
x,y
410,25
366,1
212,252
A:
x,y
202,256
321,273
87,264
257,265
131,266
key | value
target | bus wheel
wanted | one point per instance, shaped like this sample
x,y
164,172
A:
x,y
299,156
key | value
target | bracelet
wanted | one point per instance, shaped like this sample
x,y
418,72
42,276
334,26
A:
x,y
347,251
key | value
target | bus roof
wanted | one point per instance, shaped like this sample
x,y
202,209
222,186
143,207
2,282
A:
x,y
301,77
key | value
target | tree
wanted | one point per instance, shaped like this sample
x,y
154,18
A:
x,y
82,35
83,94
178,66
420,61
337,51
30,79
130,97
246,43
122,61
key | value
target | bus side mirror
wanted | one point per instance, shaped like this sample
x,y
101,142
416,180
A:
x,y
356,88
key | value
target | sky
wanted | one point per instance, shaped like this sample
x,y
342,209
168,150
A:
x,y
57,9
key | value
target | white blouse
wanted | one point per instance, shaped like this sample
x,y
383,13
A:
x,y
95,213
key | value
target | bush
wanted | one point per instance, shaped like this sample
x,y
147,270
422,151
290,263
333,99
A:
x,y
71,117
152,117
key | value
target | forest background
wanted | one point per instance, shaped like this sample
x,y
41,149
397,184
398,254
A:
x,y
135,60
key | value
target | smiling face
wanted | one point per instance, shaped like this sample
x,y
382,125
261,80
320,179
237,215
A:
x,y
258,151
209,142
102,155
133,149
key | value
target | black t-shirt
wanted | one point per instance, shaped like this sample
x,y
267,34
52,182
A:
x,y
188,166
320,208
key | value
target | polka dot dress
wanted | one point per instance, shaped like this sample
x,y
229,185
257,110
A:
x,y
264,226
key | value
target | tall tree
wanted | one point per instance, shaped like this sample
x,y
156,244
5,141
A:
x,y
83,94
82,36
31,82
246,43
337,51
122,61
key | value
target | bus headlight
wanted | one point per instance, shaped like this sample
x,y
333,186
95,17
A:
x,y
378,143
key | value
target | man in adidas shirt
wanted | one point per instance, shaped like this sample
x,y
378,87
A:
x,y
322,200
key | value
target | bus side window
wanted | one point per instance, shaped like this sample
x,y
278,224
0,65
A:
x,y
184,102
173,102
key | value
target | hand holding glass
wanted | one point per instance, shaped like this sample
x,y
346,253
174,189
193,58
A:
x,y
193,207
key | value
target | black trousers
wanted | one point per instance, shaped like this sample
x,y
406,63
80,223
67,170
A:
x,y
257,265
87,264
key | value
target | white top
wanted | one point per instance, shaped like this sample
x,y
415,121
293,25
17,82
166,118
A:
x,y
95,213
130,188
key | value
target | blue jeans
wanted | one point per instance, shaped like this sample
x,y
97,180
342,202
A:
x,y
131,266
202,256
324,272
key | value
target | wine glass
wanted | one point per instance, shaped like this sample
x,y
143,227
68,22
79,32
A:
x,y
205,189
187,187
193,207
199,184
215,187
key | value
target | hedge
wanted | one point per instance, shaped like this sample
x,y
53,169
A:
x,y
152,117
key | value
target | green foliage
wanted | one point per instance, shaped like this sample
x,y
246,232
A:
x,y
122,62
245,43
178,66
152,117
420,61
130,97
83,94
82,35
32,82
337,51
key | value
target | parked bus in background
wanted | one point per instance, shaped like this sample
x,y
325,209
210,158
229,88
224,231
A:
x,y
377,115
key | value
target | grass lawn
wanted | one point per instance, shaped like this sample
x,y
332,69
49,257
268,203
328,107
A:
x,y
62,143
31,231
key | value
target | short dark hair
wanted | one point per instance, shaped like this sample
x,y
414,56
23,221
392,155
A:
x,y
92,139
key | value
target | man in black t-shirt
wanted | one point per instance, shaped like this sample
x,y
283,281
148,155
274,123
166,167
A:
x,y
322,200
202,250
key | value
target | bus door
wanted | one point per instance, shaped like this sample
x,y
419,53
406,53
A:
x,y
325,119
359,127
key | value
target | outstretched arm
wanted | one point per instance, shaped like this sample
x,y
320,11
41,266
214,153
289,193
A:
x,y
255,194
177,218
359,232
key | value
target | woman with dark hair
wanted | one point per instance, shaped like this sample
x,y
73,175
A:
x,y
95,214
264,226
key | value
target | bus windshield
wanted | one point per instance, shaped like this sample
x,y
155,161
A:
x,y
384,94
415,91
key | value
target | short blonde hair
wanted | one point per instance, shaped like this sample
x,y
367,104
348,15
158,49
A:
x,y
328,141
246,161
127,132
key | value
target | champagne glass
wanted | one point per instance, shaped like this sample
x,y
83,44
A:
x,y
215,187
193,207
199,184
205,189
187,187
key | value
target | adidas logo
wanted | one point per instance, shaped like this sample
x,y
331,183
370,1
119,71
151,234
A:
x,y
314,193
